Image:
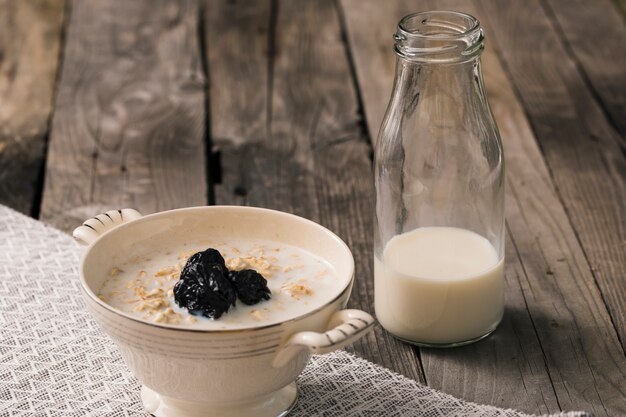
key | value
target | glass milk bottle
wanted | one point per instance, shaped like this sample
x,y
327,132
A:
x,y
439,176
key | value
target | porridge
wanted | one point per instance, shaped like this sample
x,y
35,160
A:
x,y
297,280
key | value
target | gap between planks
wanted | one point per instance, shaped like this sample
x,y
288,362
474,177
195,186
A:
x,y
30,48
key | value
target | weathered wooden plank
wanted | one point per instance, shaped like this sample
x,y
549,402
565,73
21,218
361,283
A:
x,y
582,150
30,39
286,122
553,306
128,129
594,35
239,85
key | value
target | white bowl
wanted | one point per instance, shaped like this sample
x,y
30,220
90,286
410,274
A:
x,y
189,372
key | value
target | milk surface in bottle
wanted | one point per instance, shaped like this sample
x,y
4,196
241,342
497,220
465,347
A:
x,y
439,285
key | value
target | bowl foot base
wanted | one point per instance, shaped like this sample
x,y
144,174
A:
x,y
276,404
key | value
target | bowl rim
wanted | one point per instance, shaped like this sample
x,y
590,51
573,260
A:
x,y
94,298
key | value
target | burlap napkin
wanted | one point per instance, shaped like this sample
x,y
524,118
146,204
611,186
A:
x,y
55,361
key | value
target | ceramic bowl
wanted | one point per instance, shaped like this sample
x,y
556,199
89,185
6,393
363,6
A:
x,y
188,372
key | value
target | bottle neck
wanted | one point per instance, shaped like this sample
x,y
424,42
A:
x,y
442,96
439,37
438,79
442,78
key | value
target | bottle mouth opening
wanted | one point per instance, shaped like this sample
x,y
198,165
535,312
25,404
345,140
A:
x,y
439,36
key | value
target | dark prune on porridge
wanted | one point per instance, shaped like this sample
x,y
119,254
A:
x,y
204,287
208,258
207,287
250,286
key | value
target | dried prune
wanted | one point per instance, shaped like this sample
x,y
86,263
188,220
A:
x,y
204,287
250,286
208,258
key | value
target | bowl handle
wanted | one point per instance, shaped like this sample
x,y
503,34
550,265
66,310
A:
x,y
347,327
95,227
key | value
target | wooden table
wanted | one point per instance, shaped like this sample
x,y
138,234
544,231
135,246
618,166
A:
x,y
163,104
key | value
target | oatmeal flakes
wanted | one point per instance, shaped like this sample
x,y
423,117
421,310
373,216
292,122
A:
x,y
236,264
151,304
263,265
184,255
140,291
296,290
115,271
133,283
167,316
256,314
257,252
141,274
103,298
156,293
168,270
292,267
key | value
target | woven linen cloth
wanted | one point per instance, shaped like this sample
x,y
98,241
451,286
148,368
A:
x,y
55,361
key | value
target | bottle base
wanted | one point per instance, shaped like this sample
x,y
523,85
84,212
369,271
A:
x,y
446,345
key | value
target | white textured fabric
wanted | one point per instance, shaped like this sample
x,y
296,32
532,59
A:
x,y
55,361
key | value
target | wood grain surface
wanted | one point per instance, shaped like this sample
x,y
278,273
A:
x,y
583,152
540,234
594,37
128,128
299,147
30,39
